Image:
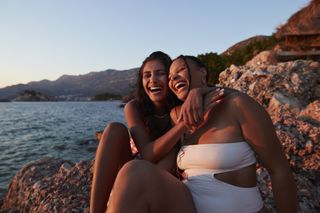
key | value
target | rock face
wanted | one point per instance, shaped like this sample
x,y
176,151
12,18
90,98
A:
x,y
289,91
305,21
50,185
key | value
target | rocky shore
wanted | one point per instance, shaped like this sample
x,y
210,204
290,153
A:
x,y
289,91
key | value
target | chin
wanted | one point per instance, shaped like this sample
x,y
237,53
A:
x,y
157,99
182,97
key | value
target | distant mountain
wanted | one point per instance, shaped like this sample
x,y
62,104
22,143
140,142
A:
x,y
71,86
242,44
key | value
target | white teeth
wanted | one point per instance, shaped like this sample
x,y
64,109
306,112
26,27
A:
x,y
155,89
179,85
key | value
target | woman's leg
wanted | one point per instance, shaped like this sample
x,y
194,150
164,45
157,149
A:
x,y
142,187
113,151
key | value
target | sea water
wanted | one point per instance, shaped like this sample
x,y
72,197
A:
x,y
32,130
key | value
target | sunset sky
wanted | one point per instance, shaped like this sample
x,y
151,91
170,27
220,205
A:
x,y
44,39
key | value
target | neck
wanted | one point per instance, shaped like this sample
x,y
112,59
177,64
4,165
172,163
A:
x,y
160,109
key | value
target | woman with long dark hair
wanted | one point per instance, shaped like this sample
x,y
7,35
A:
x,y
148,118
218,158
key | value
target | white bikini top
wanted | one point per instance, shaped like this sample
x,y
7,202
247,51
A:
x,y
215,158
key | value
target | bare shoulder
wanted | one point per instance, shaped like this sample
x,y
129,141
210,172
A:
x,y
240,99
231,95
131,106
229,90
245,108
132,114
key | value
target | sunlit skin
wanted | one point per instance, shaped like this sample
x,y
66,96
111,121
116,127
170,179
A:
x,y
161,152
143,178
179,77
214,130
114,151
155,82
243,120
114,147
143,187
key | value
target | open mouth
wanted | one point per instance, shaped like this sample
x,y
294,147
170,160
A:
x,y
180,85
155,89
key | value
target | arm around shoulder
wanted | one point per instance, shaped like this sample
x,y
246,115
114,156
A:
x,y
151,150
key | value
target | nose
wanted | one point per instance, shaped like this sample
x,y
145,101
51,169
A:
x,y
153,77
173,77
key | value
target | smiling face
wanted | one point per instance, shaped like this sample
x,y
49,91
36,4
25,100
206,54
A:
x,y
179,78
155,81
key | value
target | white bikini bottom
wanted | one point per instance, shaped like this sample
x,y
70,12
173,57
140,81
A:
x,y
213,195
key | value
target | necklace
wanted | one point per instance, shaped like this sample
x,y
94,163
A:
x,y
160,116
159,124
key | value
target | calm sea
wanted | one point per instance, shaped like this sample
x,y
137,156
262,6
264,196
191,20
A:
x,y
32,130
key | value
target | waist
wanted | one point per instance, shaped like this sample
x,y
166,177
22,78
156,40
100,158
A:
x,y
190,172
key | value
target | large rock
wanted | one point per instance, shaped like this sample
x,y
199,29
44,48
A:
x,y
50,185
289,92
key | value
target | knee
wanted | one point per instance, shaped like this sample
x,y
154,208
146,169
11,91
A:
x,y
116,126
136,172
117,130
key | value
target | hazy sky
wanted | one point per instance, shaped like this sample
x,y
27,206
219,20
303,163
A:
x,y
44,39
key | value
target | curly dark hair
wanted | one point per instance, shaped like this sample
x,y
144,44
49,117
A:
x,y
144,103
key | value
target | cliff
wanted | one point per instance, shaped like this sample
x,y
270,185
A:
x,y
304,21
301,33
289,91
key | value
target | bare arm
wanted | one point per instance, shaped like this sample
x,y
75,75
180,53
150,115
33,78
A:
x,y
150,150
192,108
258,130
155,150
199,102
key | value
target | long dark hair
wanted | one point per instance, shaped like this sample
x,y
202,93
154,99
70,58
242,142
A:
x,y
144,103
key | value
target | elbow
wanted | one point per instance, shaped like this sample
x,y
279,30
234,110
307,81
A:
x,y
284,178
284,191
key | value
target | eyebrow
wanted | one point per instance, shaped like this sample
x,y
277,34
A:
x,y
148,71
183,66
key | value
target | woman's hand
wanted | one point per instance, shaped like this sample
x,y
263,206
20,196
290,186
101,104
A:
x,y
198,103
211,100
